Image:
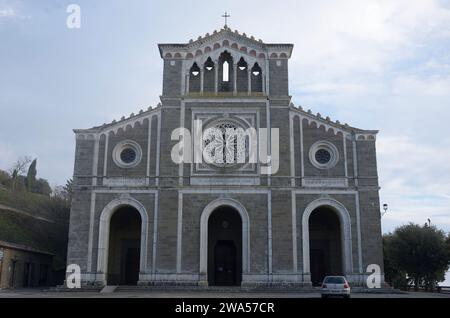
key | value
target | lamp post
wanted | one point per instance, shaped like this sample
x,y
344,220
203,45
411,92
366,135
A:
x,y
385,208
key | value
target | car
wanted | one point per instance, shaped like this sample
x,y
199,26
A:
x,y
335,286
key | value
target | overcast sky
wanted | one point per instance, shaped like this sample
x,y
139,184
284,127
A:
x,y
373,64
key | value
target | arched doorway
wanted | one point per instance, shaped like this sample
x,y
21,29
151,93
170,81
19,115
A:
x,y
324,244
225,247
124,246
335,215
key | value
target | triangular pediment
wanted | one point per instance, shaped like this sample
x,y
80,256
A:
x,y
225,39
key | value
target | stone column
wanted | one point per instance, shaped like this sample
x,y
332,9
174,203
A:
x,y
201,80
263,81
266,79
188,77
249,78
234,79
216,77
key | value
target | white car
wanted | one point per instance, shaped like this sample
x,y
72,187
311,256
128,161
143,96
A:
x,y
335,286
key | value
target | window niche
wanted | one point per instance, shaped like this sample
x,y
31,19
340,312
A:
x,y
209,76
256,78
242,76
225,72
194,79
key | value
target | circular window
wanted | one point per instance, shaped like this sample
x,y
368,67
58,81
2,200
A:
x,y
127,154
323,155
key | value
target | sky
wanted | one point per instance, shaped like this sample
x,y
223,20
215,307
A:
x,y
381,65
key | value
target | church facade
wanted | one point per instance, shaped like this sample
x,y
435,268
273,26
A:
x,y
148,210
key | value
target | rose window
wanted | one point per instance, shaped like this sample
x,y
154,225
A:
x,y
224,144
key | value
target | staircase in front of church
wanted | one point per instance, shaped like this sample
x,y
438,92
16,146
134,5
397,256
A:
x,y
260,291
216,289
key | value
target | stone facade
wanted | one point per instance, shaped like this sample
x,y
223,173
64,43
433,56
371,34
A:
x,y
174,198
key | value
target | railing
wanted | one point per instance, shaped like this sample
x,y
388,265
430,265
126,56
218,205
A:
x,y
443,289
436,289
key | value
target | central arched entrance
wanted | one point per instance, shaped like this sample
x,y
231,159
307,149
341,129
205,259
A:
x,y
224,247
124,247
325,244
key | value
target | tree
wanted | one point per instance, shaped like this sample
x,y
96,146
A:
x,y
31,176
69,189
64,192
18,169
397,278
420,252
5,179
42,187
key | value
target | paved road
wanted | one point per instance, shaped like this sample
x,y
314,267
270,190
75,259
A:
x,y
180,294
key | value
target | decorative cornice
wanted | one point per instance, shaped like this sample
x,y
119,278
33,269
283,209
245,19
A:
x,y
335,126
115,125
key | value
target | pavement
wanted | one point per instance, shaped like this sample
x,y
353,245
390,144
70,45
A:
x,y
36,293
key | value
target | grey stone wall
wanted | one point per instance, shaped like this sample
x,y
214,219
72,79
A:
x,y
170,120
367,164
282,261
167,232
172,77
372,245
79,229
84,150
312,134
278,76
139,134
279,118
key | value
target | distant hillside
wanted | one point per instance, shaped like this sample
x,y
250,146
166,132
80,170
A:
x,y
35,220
36,204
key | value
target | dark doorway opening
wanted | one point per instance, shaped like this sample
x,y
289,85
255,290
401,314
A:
x,y
12,279
26,275
325,244
225,248
124,247
225,263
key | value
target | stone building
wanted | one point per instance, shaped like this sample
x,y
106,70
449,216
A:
x,y
310,209
23,266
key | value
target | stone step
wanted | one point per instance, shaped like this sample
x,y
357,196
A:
x,y
221,289
108,289
217,289
63,288
214,289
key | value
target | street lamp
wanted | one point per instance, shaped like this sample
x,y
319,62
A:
x,y
385,207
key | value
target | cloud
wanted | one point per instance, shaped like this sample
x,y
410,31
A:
x,y
414,181
7,12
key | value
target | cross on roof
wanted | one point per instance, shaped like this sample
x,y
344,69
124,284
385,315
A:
x,y
225,16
